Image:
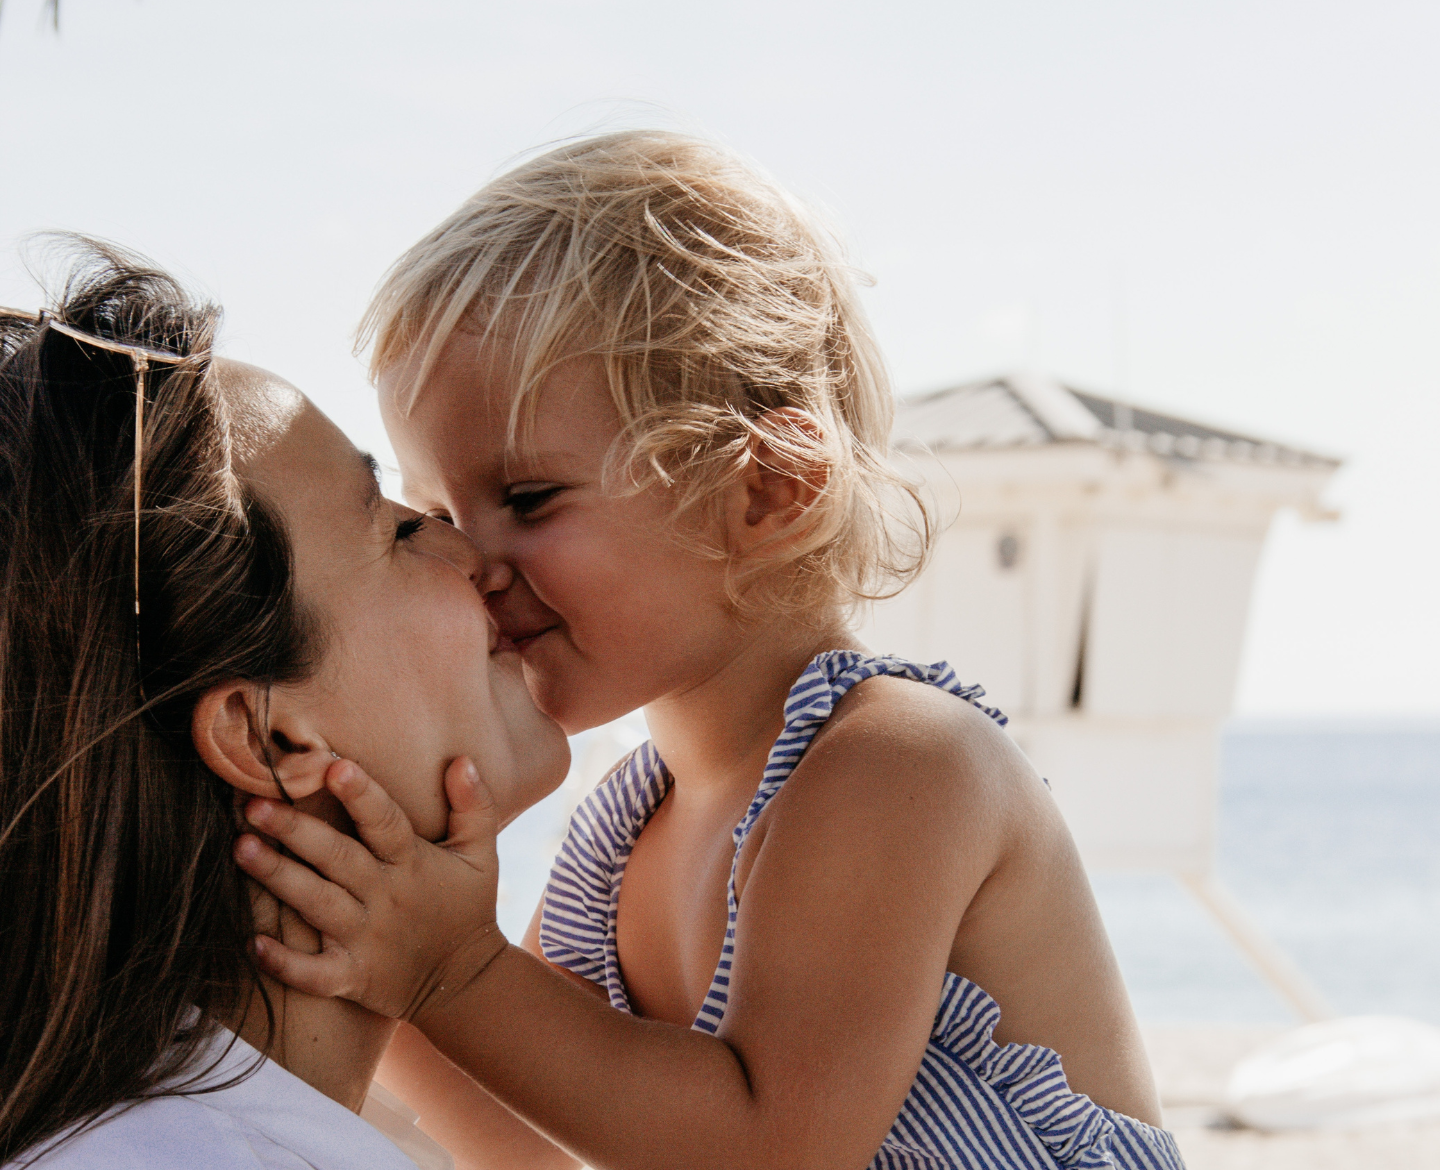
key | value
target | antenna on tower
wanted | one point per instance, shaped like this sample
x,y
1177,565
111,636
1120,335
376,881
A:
x,y
1120,329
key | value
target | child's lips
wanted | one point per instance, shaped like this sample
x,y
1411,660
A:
x,y
521,640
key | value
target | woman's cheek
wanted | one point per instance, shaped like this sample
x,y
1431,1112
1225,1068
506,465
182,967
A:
x,y
422,798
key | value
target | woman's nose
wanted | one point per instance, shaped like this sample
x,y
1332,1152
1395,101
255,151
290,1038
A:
x,y
496,573
462,552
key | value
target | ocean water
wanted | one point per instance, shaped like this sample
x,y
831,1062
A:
x,y
1329,836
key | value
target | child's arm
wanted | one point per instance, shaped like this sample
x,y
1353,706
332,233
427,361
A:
x,y
478,1131
848,914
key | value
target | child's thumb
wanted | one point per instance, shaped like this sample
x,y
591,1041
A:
x,y
474,819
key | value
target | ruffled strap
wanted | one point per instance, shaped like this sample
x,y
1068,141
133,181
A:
x,y
831,674
812,700
577,922
1076,1131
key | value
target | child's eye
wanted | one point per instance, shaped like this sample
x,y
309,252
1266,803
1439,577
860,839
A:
x,y
528,498
443,517
408,528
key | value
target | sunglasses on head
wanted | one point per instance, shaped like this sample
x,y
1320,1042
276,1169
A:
x,y
140,358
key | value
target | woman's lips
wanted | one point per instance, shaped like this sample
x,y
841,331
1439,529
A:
x,y
500,643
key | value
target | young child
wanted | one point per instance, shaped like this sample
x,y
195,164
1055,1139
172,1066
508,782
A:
x,y
852,927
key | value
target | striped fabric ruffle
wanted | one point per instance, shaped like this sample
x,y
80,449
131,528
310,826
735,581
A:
x,y
577,925
975,1104
1028,1079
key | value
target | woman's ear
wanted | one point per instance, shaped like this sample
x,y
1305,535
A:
x,y
250,739
784,475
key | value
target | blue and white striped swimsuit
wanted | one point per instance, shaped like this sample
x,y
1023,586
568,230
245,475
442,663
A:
x,y
975,1104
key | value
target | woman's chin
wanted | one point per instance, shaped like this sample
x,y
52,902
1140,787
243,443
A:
x,y
557,757
547,768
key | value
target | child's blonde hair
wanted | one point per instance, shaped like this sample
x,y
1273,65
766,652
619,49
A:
x,y
713,300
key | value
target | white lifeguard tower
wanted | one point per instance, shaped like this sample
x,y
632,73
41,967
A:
x,y
1096,580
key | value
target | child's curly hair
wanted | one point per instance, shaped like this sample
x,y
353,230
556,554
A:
x,y
713,300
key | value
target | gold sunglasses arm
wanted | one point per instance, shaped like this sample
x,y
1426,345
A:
x,y
140,358
142,369
133,351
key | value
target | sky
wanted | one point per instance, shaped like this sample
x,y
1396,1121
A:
x,y
1226,210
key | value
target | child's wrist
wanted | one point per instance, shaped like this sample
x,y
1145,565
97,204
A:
x,y
466,964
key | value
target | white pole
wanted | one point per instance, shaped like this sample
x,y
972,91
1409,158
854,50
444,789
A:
x,y
1277,968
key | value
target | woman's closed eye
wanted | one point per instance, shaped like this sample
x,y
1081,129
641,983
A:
x,y
525,499
409,527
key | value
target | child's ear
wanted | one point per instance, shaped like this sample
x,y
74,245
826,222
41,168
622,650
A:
x,y
237,725
784,475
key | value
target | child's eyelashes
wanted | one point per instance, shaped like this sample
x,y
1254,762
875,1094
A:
x,y
526,499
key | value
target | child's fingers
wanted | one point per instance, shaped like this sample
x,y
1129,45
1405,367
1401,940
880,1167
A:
x,y
264,909
381,823
324,905
474,819
340,858
325,974
462,782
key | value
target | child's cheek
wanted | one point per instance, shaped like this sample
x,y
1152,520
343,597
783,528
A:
x,y
575,573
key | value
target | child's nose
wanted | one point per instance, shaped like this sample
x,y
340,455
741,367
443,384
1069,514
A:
x,y
496,576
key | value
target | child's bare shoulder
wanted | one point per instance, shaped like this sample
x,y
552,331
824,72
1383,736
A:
x,y
920,722
918,779
924,741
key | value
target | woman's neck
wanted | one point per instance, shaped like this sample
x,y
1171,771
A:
x,y
715,736
332,1045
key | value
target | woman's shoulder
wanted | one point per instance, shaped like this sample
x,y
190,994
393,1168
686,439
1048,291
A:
x,y
160,1133
257,1116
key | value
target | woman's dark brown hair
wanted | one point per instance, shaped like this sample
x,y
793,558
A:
x,y
122,912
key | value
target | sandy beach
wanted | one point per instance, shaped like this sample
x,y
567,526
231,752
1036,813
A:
x,y
1191,1065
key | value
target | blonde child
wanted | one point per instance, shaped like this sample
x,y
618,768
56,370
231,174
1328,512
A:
x,y
852,927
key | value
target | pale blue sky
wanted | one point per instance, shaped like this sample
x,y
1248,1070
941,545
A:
x,y
1231,210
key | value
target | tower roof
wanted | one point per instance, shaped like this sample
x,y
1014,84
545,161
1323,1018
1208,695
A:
x,y
1032,410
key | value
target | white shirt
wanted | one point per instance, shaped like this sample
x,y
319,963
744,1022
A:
x,y
272,1120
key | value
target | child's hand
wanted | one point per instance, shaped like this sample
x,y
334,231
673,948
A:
x,y
404,924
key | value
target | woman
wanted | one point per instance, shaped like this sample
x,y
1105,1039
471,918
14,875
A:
x,y
213,610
